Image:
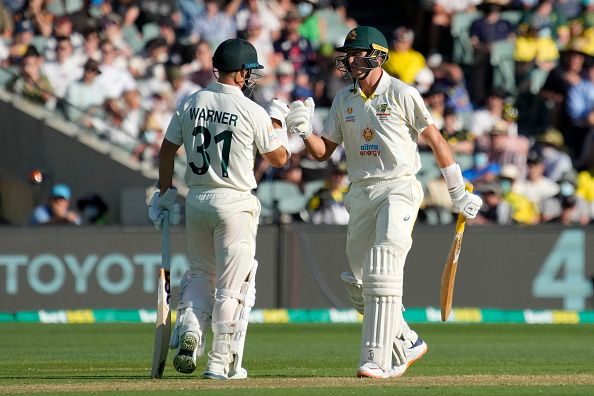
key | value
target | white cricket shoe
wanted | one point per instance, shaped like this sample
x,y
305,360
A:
x,y
218,371
373,370
184,360
412,354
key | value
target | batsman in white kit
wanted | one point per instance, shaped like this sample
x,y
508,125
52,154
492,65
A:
x,y
379,119
221,131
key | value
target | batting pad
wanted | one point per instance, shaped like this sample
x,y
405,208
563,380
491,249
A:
x,y
382,297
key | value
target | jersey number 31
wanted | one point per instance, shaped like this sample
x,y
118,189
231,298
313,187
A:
x,y
224,137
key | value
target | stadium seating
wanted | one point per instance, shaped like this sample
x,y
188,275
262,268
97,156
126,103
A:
x,y
462,52
289,197
502,60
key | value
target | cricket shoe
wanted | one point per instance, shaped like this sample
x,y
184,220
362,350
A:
x,y
184,360
218,371
373,370
412,354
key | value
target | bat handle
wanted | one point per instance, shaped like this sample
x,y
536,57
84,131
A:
x,y
166,250
461,219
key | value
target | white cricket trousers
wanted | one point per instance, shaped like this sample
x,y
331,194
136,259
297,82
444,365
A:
x,y
381,213
221,227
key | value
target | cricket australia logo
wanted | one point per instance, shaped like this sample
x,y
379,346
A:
x,y
368,134
383,112
352,35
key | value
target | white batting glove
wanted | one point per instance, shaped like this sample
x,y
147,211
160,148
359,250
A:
x,y
299,117
165,202
468,204
278,110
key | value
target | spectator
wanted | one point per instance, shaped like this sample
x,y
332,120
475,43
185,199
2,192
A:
x,y
570,9
437,207
112,32
182,87
116,80
565,207
93,209
151,137
440,38
281,88
495,210
6,22
263,46
435,101
560,79
451,77
149,67
551,147
31,84
141,12
482,169
505,149
459,140
214,25
91,47
57,211
423,80
313,28
178,53
483,33
22,36
35,11
86,95
403,61
580,102
64,70
202,71
248,8
188,10
544,14
534,50
536,187
484,118
63,28
327,204
294,48
522,210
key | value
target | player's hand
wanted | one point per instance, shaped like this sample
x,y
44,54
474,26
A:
x,y
165,202
278,110
299,117
468,204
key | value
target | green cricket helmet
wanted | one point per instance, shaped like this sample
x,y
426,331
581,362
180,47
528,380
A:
x,y
364,38
238,54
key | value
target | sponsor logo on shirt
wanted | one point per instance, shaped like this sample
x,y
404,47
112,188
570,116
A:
x,y
350,117
425,113
383,112
272,134
368,134
369,149
350,110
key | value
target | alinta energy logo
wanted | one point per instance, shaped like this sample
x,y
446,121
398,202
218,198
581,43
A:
x,y
350,117
369,149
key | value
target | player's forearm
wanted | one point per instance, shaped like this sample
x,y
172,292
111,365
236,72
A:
x,y
317,147
166,165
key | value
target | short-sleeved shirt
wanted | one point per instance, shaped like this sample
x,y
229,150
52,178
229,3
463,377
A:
x,y
221,130
380,132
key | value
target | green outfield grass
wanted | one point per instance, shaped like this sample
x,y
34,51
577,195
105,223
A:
x,y
300,359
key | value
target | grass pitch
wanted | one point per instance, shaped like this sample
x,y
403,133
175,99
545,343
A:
x,y
302,359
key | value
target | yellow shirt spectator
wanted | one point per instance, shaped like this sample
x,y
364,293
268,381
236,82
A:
x,y
403,61
530,48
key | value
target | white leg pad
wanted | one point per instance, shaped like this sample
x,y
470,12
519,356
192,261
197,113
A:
x,y
194,310
229,336
382,296
355,290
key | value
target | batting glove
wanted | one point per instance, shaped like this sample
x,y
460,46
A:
x,y
165,202
299,117
278,110
467,203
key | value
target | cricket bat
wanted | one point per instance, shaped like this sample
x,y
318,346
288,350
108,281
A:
x,y
449,272
163,330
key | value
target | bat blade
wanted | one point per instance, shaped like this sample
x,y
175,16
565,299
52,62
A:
x,y
163,328
449,271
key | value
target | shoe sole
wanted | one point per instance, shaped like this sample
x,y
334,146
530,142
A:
x,y
366,374
416,358
184,360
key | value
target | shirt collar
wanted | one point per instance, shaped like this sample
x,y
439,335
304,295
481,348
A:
x,y
225,88
384,84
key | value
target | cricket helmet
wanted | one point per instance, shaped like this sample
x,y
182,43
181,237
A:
x,y
235,54
363,38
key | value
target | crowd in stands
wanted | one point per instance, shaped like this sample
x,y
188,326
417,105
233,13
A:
x,y
524,135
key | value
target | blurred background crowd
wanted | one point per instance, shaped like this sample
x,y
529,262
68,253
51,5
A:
x,y
510,83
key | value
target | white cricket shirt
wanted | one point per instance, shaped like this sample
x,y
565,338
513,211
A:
x,y
380,132
221,130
